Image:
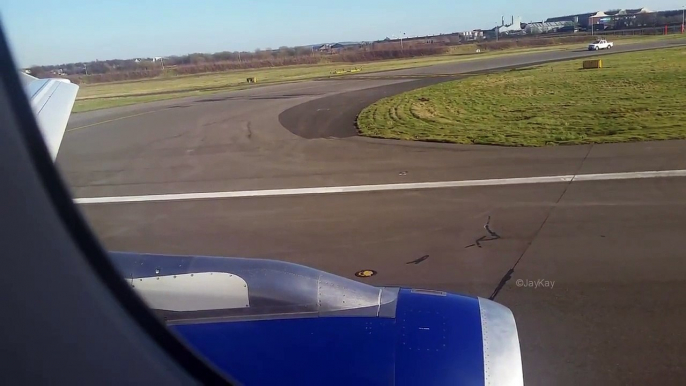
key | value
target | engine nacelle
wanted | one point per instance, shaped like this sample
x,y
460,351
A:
x,y
271,322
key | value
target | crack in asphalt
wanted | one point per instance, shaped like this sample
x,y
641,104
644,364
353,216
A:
x,y
248,127
493,234
417,261
508,274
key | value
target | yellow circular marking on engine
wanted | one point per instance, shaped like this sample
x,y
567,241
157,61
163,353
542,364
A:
x,y
365,273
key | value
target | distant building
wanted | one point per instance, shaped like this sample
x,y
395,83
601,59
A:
x,y
587,19
569,29
347,45
322,47
471,35
549,27
581,19
515,27
337,47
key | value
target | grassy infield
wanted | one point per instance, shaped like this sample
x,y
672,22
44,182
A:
x,y
105,95
637,96
99,96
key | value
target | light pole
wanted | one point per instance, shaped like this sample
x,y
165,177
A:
x,y
497,32
401,39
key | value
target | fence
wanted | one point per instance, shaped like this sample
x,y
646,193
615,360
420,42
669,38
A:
x,y
671,29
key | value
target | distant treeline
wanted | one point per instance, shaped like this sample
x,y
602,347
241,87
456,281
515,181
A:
x,y
117,70
145,64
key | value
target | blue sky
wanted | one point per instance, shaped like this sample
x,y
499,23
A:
x,y
61,31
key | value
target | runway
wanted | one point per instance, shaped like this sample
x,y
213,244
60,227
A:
x,y
611,246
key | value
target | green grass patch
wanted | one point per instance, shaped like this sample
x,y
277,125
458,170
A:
x,y
636,97
105,95
96,104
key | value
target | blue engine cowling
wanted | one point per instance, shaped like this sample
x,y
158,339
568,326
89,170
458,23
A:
x,y
303,326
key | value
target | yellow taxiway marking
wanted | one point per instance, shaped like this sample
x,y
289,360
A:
x,y
113,120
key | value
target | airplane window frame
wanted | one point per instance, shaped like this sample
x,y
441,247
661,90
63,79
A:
x,y
83,237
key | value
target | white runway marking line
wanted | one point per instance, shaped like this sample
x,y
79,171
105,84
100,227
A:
x,y
382,187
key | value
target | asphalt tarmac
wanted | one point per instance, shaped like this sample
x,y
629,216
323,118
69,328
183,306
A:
x,y
598,282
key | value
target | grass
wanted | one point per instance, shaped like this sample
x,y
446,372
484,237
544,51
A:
x,y
636,97
106,95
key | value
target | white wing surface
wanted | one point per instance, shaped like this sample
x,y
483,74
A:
x,y
51,100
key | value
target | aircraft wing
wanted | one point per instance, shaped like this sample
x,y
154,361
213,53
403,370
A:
x,y
51,101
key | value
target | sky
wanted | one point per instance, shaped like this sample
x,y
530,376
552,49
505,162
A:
x,y
43,32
